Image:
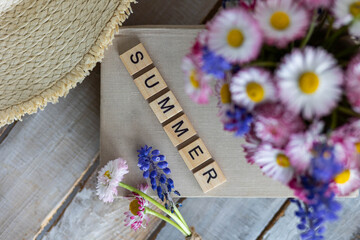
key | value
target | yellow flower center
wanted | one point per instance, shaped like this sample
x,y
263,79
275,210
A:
x,y
282,160
357,147
280,21
354,9
107,174
235,38
309,82
225,94
342,177
134,207
194,82
255,92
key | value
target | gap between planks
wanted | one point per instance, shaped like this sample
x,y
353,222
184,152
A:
x,y
55,214
4,131
280,213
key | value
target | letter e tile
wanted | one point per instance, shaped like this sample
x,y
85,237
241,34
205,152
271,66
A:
x,y
195,154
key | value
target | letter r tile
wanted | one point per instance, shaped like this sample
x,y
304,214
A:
x,y
136,59
179,130
165,107
195,154
150,83
209,177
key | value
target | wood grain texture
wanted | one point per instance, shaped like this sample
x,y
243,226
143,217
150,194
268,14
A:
x,y
43,156
226,218
136,59
195,154
210,177
170,12
179,130
165,107
150,83
4,131
347,227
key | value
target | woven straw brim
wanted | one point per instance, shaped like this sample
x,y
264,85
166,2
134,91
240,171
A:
x,y
48,46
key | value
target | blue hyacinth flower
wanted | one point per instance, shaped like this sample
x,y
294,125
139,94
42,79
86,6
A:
x,y
156,168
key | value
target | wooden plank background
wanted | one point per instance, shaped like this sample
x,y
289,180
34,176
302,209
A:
x,y
46,158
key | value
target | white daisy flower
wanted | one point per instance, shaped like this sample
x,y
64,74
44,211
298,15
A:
x,y
223,94
109,177
347,181
309,81
252,86
235,35
274,163
347,11
282,21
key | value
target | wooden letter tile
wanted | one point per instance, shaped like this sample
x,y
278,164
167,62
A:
x,y
150,83
165,106
136,59
210,177
195,154
179,130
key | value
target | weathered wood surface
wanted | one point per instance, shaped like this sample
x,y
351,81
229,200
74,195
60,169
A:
x,y
43,156
171,12
88,218
346,228
226,218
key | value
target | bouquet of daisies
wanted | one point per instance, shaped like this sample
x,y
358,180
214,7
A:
x,y
287,77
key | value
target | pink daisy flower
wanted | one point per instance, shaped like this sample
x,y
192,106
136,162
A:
x,y
346,182
196,82
300,145
235,35
251,146
352,83
313,4
109,177
274,163
346,142
274,124
200,43
136,217
223,94
299,191
282,21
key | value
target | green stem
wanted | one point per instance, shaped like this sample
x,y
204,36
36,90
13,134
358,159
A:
x,y
161,207
349,50
162,217
310,32
262,64
177,212
331,40
329,28
348,111
333,120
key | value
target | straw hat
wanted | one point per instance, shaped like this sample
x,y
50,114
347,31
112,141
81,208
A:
x,y
48,46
